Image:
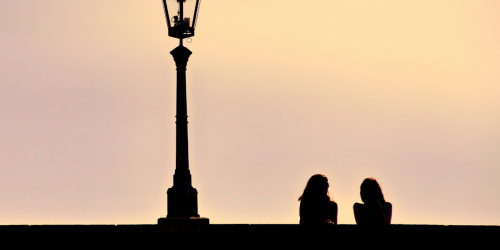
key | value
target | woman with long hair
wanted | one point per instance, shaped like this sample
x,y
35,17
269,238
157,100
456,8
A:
x,y
316,205
375,210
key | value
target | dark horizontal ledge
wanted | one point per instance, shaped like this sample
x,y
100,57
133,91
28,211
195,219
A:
x,y
227,225
255,234
229,228
109,226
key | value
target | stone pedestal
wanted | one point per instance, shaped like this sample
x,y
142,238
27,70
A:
x,y
183,225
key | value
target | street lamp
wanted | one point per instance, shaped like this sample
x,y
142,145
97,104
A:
x,y
181,26
182,198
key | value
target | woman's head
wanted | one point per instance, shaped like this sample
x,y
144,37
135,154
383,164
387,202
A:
x,y
317,186
370,189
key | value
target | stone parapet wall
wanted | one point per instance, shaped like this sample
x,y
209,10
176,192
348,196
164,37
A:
x,y
254,235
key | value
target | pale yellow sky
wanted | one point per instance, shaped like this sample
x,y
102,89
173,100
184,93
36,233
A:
x,y
403,91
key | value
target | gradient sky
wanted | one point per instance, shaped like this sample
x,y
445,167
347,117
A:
x,y
403,91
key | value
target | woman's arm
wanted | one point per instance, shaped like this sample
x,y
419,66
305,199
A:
x,y
334,212
377,213
358,214
388,212
300,214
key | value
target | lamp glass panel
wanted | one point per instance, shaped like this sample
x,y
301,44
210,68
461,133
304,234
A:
x,y
173,11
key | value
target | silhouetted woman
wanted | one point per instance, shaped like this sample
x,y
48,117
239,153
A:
x,y
316,205
375,210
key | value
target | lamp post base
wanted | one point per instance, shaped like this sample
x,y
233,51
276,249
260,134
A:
x,y
183,225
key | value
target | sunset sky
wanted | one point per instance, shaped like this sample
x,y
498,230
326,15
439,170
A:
x,y
406,92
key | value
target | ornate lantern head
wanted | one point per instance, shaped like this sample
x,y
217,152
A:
x,y
179,25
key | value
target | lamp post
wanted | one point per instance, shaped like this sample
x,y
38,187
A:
x,y
182,198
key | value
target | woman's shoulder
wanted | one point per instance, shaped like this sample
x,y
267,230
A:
x,y
333,204
358,206
387,205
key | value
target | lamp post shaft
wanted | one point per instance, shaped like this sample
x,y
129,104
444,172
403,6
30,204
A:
x,y
182,197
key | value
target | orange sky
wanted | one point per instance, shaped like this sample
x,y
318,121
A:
x,y
403,91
